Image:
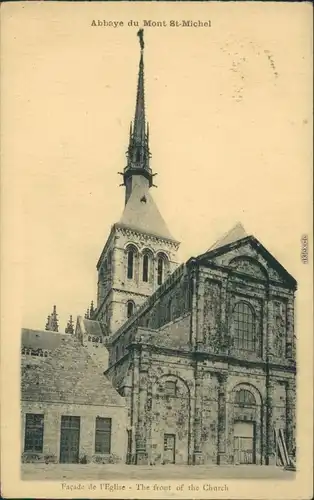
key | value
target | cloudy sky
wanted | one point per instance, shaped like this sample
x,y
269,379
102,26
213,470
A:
x,y
230,125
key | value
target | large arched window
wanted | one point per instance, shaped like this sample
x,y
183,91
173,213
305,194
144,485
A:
x,y
244,398
145,274
131,252
244,327
130,308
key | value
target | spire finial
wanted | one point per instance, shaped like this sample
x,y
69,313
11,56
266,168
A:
x,y
48,324
70,326
91,310
54,320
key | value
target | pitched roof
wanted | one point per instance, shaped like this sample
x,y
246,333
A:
x,y
141,214
92,327
41,339
67,375
236,233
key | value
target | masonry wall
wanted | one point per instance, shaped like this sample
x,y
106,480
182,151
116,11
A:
x,y
87,413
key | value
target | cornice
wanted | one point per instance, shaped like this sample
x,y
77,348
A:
x,y
130,231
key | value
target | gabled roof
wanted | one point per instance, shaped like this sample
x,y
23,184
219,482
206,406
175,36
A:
x,y
223,246
141,214
236,233
67,375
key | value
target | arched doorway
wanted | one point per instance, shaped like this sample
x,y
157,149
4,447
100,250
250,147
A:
x,y
246,425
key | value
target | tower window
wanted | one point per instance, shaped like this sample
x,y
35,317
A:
x,y
131,251
160,270
130,308
145,267
244,331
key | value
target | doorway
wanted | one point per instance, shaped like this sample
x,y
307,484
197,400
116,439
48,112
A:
x,y
169,448
244,442
70,440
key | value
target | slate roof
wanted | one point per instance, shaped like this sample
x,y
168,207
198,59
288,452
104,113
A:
x,y
92,327
236,233
67,375
41,339
144,216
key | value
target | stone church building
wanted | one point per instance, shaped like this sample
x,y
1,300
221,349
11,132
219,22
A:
x,y
203,353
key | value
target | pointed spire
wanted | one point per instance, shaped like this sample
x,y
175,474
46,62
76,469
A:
x,y
138,153
48,324
70,326
87,314
139,117
54,320
91,310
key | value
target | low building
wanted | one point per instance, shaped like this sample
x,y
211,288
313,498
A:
x,y
70,411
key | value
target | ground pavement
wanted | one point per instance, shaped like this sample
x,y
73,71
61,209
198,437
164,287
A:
x,y
128,472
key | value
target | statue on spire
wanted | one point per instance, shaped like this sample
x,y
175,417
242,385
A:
x,y
140,34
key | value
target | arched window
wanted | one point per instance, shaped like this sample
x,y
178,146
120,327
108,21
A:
x,y
131,251
117,353
244,398
145,267
244,327
161,261
130,308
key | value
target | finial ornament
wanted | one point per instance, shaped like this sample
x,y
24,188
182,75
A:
x,y
140,34
70,326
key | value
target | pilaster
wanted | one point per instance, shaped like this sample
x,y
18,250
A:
x,y
141,429
198,398
290,416
222,418
290,347
270,430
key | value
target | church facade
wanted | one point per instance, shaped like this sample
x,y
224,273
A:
x,y
203,352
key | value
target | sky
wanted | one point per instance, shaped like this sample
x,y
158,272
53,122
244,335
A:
x,y
229,109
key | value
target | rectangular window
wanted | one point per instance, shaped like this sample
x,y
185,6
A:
x,y
34,432
103,435
170,388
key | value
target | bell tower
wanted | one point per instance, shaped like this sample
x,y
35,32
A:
x,y
140,252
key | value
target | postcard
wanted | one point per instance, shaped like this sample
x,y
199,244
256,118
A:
x,y
157,333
